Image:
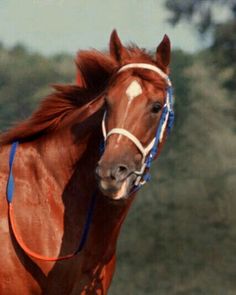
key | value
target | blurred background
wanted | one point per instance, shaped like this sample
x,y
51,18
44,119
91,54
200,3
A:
x,y
180,235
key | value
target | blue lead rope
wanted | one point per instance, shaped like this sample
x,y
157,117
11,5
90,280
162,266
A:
x,y
87,224
10,183
10,193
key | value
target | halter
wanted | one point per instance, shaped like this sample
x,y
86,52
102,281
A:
x,y
166,122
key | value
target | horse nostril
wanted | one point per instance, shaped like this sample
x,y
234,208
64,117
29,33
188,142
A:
x,y
102,171
119,172
115,172
122,169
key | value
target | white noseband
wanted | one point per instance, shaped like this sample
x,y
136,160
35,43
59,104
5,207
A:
x,y
144,150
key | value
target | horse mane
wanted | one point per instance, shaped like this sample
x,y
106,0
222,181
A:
x,y
67,102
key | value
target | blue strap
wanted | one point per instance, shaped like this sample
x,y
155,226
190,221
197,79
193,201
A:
x,y
87,224
147,177
170,122
10,183
101,147
154,150
171,118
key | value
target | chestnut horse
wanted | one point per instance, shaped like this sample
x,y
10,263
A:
x,y
75,166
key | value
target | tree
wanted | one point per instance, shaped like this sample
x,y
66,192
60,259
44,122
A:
x,y
204,14
207,17
25,79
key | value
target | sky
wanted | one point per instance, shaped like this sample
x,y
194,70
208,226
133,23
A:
x,y
53,26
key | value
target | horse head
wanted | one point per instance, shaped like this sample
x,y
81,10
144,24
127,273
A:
x,y
135,100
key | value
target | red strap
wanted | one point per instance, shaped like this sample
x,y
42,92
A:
x,y
23,245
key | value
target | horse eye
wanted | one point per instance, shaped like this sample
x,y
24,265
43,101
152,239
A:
x,y
156,107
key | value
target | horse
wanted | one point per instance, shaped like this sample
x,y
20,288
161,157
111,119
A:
x,y
70,172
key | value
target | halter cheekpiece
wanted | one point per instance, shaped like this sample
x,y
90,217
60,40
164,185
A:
x,y
166,123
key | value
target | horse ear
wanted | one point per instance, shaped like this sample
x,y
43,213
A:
x,y
163,52
117,50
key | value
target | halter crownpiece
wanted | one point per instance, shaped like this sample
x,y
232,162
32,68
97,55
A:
x,y
146,67
166,121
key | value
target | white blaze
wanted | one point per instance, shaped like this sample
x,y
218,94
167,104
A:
x,y
133,90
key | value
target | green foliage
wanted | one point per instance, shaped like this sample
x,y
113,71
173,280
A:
x,y
224,49
24,79
207,17
204,14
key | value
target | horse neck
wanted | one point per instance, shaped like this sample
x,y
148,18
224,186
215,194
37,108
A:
x,y
62,151
71,157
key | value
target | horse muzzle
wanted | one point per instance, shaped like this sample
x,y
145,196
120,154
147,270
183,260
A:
x,y
115,180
